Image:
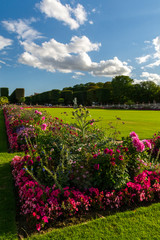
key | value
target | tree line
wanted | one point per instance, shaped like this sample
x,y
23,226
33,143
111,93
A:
x,y
121,90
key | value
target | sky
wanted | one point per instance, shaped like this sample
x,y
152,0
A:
x,y
53,44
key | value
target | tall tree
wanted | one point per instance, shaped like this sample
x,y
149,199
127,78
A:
x,y
122,87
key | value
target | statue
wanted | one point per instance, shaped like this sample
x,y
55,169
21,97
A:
x,y
75,103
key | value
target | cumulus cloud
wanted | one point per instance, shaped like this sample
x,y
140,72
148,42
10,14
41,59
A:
x,y
55,56
77,75
151,77
5,42
22,28
143,59
156,55
73,17
111,68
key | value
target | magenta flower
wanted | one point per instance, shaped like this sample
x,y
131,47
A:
x,y
139,145
111,152
96,166
38,226
44,126
147,143
120,157
106,150
30,162
133,134
43,118
95,156
45,219
36,111
38,158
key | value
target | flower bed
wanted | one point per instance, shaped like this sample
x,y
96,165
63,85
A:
x,y
70,170
42,204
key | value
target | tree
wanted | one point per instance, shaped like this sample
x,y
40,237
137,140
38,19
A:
x,y
67,95
22,100
122,87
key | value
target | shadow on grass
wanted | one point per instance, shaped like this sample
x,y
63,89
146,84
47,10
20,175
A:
x,y
8,229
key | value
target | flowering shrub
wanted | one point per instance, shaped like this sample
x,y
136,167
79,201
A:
x,y
71,169
138,153
43,205
109,168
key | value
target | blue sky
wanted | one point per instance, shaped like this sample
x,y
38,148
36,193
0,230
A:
x,y
52,44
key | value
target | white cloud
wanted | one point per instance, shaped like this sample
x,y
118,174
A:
x,y
147,42
55,56
2,62
156,43
73,17
151,77
4,42
77,75
143,59
93,10
90,22
80,73
111,68
22,28
80,14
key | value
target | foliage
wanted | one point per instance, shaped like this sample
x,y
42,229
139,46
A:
x,y
3,101
71,169
16,95
120,90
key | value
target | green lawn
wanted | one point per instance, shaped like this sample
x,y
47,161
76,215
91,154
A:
x,y
8,229
140,224
144,123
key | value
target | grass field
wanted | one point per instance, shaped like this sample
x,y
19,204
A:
x,y
144,123
141,223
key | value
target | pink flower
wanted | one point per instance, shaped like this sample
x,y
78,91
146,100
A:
x,y
45,219
44,126
106,150
39,113
96,166
111,152
147,143
43,118
34,214
140,147
133,134
36,111
120,157
38,226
